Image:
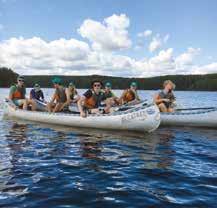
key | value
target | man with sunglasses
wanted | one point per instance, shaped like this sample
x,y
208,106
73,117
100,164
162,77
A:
x,y
17,95
91,100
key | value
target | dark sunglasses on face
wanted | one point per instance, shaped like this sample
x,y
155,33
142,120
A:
x,y
97,85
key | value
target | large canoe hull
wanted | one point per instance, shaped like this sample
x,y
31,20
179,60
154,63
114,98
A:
x,y
198,118
138,119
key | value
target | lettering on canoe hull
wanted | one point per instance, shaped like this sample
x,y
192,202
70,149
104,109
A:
x,y
141,115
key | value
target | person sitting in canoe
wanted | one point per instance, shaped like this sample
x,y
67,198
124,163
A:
x,y
130,96
108,90
36,93
110,96
17,95
72,96
165,98
92,98
59,97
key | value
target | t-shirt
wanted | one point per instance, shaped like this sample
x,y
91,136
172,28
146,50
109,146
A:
x,y
38,95
98,98
60,92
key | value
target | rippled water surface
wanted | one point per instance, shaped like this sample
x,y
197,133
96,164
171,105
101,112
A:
x,y
53,166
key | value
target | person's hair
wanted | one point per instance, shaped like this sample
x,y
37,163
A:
x,y
94,81
166,82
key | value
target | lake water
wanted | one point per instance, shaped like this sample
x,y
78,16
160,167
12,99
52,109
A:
x,y
51,166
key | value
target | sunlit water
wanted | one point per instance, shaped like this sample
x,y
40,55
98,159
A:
x,y
53,166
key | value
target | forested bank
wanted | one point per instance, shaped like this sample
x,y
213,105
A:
x,y
183,82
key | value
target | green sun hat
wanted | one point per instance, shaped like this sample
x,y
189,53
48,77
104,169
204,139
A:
x,y
133,84
108,84
56,80
71,84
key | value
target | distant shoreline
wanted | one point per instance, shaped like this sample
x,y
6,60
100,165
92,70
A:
x,y
206,82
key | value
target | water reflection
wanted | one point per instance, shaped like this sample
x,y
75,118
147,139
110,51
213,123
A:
x,y
47,164
12,152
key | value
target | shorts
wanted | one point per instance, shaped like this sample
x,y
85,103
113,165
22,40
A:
x,y
168,105
18,102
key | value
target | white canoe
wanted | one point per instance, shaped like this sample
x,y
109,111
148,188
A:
x,y
145,119
197,117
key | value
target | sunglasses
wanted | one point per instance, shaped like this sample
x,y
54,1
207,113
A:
x,y
20,80
97,85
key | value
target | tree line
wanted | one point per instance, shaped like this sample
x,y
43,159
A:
x,y
183,82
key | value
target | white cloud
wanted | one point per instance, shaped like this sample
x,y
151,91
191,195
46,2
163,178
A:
x,y
187,57
110,35
161,64
204,69
74,57
145,34
155,44
35,54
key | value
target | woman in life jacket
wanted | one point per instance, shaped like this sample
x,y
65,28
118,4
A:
x,y
111,99
59,97
72,96
130,95
92,98
165,98
18,95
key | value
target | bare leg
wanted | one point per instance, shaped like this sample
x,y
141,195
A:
x,y
25,104
80,104
58,107
170,110
50,107
33,104
95,110
162,108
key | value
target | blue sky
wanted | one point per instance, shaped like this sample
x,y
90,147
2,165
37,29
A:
x,y
188,24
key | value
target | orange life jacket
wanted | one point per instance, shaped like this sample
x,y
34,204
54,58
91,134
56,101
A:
x,y
129,96
92,102
18,94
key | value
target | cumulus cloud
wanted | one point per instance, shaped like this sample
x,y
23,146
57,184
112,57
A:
x,y
110,35
186,58
204,69
35,54
157,42
145,34
161,64
74,57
